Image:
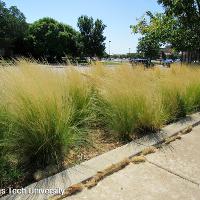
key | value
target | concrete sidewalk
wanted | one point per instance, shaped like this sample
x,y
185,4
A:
x,y
173,172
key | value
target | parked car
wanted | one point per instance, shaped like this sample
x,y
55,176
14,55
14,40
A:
x,y
167,62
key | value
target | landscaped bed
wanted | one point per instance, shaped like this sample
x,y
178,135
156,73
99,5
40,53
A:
x,y
50,120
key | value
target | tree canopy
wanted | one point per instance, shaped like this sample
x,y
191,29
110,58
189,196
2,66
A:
x,y
187,14
12,22
178,26
92,36
149,47
51,39
13,25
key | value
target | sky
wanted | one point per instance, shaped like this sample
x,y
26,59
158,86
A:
x,y
117,15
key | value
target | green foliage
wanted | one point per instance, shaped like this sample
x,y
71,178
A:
x,y
48,38
13,27
187,14
159,26
52,40
178,26
149,47
12,22
156,30
92,36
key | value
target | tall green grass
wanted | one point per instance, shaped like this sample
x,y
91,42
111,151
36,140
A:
x,y
44,113
134,101
130,105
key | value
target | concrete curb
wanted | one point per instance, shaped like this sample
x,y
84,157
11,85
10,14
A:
x,y
88,169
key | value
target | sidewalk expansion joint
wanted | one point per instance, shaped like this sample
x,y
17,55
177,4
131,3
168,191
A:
x,y
173,173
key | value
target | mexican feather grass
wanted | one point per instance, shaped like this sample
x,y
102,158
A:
x,y
45,112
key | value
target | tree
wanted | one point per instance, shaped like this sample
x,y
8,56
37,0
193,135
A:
x,y
186,10
149,47
92,36
50,39
153,34
13,25
187,13
162,28
12,22
159,27
178,26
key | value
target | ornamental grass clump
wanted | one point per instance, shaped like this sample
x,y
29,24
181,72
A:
x,y
180,90
130,102
46,115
